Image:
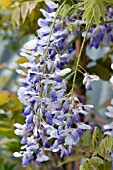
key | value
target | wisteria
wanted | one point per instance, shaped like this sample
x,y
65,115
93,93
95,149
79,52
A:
x,y
102,34
52,116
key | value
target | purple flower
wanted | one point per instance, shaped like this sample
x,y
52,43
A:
x,y
49,112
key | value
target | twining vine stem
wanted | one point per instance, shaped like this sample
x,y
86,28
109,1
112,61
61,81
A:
x,y
79,57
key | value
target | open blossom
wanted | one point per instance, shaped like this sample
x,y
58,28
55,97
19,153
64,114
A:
x,y
52,122
88,79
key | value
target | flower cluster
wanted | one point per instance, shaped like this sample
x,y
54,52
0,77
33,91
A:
x,y
102,34
52,116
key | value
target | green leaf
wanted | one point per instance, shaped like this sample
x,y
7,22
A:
x,y
71,159
16,15
106,147
86,165
3,97
32,5
5,4
107,166
102,8
85,140
8,132
96,13
96,161
21,60
87,148
89,16
24,10
96,138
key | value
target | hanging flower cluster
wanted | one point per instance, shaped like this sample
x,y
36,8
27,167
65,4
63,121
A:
x,y
102,34
52,116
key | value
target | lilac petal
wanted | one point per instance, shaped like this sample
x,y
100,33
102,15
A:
x,y
53,95
68,122
49,121
30,118
42,157
110,133
38,163
63,72
26,112
30,158
75,135
60,93
36,106
111,80
69,140
85,78
46,89
58,79
42,22
48,115
17,154
24,162
30,127
18,132
55,145
45,13
108,126
94,77
109,114
19,126
88,86
60,139
110,108
23,140
88,107
51,4
82,125
54,133
80,132
31,45
42,30
70,149
66,106
21,72
75,118
82,112
64,152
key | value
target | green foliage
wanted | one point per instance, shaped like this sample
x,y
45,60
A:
x,y
3,97
95,9
96,138
105,147
22,10
21,60
90,164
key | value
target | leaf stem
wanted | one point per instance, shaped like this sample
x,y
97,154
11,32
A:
x,y
82,68
79,57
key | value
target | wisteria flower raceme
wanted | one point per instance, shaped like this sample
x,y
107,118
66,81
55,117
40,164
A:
x,y
52,121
